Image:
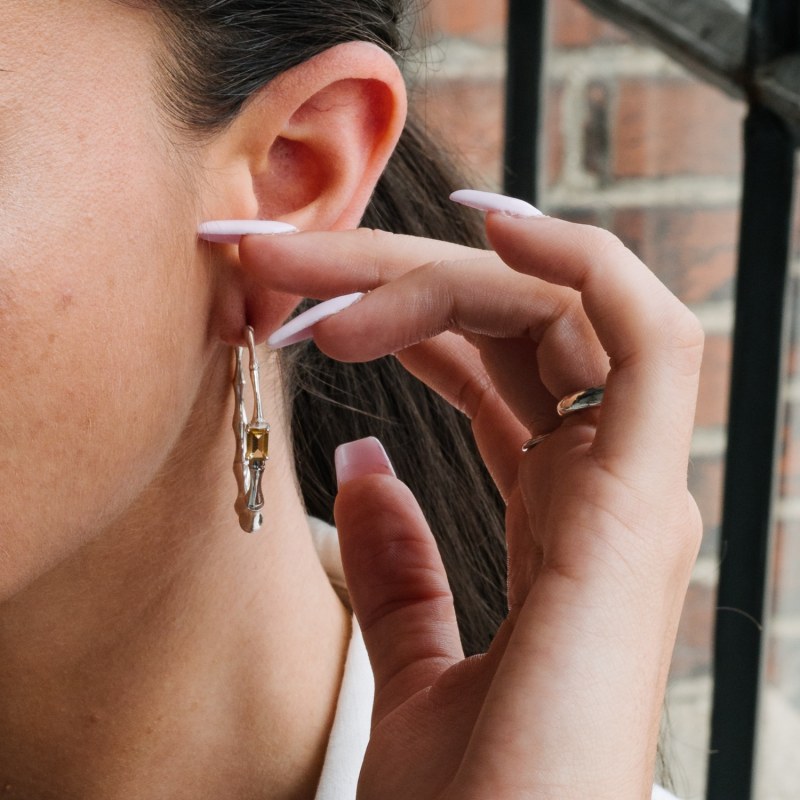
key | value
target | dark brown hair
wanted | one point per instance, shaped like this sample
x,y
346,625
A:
x,y
217,54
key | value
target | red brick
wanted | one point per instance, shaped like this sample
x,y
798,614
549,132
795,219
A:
x,y
597,133
788,458
785,592
692,654
674,127
693,251
796,217
553,140
467,116
599,217
784,597
479,20
706,477
571,25
782,670
789,452
793,310
712,401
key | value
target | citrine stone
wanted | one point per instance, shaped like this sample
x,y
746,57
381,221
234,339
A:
x,y
258,444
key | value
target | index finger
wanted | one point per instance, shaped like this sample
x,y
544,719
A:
x,y
363,258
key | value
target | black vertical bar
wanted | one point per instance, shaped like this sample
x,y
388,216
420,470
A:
x,y
525,56
750,463
764,248
774,30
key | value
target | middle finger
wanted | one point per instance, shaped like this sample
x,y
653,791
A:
x,y
504,312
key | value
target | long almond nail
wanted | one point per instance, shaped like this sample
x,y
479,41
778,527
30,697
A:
x,y
489,201
359,458
300,328
229,231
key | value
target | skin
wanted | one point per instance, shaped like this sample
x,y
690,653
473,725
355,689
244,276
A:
x,y
137,621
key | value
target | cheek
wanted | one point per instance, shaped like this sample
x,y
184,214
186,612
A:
x,y
102,331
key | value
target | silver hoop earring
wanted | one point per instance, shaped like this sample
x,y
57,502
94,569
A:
x,y
252,441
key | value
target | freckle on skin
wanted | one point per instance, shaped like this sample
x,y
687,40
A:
x,y
66,300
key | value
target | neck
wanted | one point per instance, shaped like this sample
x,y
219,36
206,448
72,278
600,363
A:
x,y
175,651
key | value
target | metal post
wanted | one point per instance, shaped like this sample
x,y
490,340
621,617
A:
x,y
764,248
525,56
749,470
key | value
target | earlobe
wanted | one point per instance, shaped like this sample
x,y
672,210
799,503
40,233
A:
x,y
308,150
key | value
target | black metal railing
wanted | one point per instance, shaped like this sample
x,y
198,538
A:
x,y
755,57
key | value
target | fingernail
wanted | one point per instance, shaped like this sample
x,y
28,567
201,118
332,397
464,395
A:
x,y
229,231
489,201
361,457
299,328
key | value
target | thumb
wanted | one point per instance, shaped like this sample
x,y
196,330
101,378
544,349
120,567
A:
x,y
398,586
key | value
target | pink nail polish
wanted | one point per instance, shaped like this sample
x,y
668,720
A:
x,y
299,329
361,457
489,201
229,231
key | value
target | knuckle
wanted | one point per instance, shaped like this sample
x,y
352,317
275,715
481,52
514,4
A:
x,y
574,318
691,331
374,236
683,545
673,534
441,270
685,337
599,243
436,269
373,242
438,283
473,393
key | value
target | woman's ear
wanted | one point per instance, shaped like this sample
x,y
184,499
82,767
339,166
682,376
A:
x,y
310,146
307,149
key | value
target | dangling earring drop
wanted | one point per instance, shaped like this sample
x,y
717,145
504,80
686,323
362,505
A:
x,y
252,441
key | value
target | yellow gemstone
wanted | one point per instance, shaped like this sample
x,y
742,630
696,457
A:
x,y
258,444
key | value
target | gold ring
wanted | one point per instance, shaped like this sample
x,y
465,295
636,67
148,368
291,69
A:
x,y
531,443
578,401
587,398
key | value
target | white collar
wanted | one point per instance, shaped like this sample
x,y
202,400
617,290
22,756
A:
x,y
351,724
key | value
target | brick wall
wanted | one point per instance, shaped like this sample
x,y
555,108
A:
x,y
635,144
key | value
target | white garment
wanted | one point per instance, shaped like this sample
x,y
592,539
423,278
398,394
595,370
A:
x,y
351,724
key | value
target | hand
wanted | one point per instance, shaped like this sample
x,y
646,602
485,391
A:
x,y
601,530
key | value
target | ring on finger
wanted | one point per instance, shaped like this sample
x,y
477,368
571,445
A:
x,y
531,443
579,401
570,404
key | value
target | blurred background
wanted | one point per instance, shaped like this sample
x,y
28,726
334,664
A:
x,y
634,143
